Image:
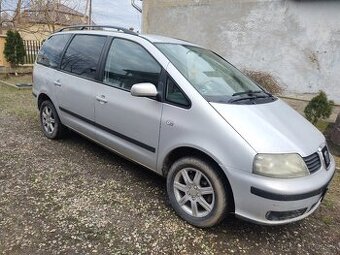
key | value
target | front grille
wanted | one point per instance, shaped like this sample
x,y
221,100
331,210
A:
x,y
313,162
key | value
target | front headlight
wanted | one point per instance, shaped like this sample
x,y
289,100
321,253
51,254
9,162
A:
x,y
280,165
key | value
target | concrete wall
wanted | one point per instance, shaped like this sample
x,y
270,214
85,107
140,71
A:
x,y
297,42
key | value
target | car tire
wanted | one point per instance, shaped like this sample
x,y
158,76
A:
x,y
50,122
198,192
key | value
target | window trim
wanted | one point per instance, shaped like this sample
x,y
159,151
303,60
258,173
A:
x,y
99,60
165,87
104,59
64,51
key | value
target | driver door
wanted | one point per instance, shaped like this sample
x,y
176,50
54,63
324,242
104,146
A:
x,y
128,124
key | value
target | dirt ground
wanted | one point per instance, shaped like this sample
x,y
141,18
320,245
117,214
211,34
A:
x,y
74,197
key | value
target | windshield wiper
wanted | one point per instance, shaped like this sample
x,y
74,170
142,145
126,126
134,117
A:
x,y
248,92
252,97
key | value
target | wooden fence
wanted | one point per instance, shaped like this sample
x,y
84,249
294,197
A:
x,y
32,48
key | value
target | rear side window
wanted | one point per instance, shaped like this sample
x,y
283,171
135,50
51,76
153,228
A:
x,y
82,55
129,63
51,51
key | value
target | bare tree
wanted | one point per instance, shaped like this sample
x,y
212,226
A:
x,y
41,16
17,12
10,12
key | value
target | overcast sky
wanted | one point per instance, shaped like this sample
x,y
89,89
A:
x,y
105,12
116,12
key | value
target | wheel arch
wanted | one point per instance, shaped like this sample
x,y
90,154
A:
x,y
186,151
41,98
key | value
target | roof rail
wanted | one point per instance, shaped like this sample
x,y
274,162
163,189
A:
x,y
97,27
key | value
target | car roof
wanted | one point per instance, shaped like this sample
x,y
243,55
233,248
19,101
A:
x,y
163,39
121,32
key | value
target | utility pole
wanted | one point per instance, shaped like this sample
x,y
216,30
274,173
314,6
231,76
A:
x,y
85,12
90,13
0,17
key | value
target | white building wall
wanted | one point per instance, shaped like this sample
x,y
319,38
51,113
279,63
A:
x,y
297,42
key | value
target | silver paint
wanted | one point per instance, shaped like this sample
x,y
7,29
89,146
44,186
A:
x,y
230,134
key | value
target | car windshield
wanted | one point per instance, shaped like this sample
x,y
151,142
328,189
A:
x,y
214,78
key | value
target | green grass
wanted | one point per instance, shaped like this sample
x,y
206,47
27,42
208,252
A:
x,y
328,220
328,203
322,125
18,102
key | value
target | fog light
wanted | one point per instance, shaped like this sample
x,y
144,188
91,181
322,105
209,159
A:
x,y
276,216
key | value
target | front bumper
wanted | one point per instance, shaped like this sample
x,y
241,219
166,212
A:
x,y
271,201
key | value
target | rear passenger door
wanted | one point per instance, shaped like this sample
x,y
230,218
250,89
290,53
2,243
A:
x,y
128,124
48,61
76,82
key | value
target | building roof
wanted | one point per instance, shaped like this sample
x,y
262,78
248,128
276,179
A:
x,y
53,12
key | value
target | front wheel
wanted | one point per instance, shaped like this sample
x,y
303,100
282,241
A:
x,y
50,122
197,192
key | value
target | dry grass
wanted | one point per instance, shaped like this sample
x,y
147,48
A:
x,y
21,78
266,80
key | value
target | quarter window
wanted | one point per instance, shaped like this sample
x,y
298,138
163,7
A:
x,y
52,49
82,55
129,63
174,94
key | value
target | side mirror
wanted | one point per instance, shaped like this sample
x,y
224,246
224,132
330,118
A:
x,y
144,90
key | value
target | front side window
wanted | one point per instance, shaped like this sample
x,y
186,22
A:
x,y
52,49
212,76
129,63
82,55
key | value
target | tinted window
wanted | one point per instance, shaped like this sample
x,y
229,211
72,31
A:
x,y
82,56
129,63
174,94
50,53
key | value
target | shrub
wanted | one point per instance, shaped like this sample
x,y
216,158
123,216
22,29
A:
x,y
14,48
319,107
266,80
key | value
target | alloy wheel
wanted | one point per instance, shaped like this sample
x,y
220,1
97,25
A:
x,y
194,192
48,120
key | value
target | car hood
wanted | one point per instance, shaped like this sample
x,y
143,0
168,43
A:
x,y
272,127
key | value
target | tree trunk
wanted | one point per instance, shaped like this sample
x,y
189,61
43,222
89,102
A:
x,y
17,13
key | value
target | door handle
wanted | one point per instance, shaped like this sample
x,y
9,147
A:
x,y
101,99
57,83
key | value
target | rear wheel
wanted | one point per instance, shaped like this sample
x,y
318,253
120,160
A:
x,y
197,192
50,122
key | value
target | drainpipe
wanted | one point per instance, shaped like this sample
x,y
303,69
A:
x,y
137,7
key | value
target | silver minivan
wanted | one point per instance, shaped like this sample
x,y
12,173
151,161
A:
x,y
224,144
